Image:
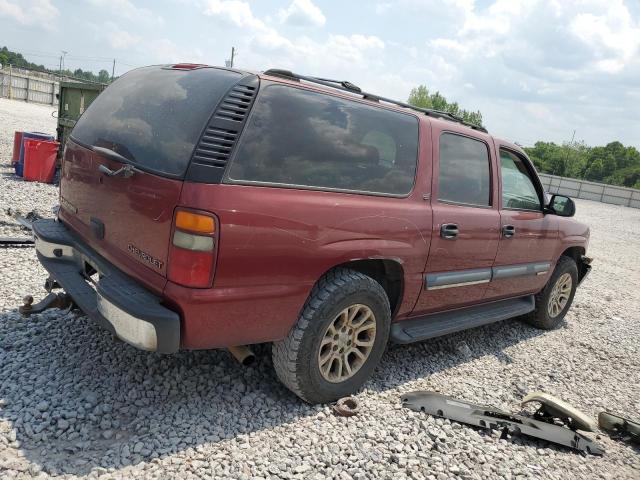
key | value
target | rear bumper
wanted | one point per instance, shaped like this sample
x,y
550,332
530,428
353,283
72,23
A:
x,y
115,301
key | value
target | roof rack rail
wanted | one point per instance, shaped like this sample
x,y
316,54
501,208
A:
x,y
350,87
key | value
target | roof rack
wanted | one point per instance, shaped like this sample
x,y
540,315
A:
x,y
350,87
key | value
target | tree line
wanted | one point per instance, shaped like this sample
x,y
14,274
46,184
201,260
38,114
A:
x,y
7,57
613,163
421,97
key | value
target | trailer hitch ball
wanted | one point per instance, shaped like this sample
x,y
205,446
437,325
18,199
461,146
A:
x,y
27,301
53,300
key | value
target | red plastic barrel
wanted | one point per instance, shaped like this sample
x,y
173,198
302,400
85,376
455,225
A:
x,y
17,143
40,160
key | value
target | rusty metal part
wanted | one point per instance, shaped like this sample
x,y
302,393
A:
x,y
243,354
493,419
346,407
53,300
16,242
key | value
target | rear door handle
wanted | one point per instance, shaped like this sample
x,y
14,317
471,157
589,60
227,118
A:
x,y
508,231
449,231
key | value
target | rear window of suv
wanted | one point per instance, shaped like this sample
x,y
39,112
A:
x,y
154,116
305,139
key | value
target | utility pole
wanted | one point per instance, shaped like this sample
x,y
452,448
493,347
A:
x,y
113,69
566,157
64,54
233,54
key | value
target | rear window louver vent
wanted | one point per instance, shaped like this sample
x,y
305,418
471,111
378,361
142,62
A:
x,y
236,104
215,146
217,142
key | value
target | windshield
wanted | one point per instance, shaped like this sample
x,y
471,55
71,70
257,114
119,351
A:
x,y
154,116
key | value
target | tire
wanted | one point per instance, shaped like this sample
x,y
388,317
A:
x,y
542,317
299,358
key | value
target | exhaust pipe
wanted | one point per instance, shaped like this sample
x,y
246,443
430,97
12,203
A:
x,y
242,354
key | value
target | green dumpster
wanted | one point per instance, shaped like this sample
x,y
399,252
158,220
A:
x,y
73,100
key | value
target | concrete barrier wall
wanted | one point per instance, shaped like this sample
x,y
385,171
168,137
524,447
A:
x,y
598,192
29,86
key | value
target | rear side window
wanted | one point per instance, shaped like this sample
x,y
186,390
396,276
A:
x,y
464,171
301,138
154,116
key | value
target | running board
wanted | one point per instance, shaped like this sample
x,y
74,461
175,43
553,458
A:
x,y
438,324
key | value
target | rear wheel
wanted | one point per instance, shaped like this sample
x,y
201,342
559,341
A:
x,y
554,300
338,340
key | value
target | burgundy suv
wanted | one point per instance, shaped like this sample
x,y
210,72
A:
x,y
204,207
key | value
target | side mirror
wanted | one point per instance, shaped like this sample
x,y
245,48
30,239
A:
x,y
561,206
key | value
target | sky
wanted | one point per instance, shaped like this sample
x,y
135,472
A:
x,y
536,69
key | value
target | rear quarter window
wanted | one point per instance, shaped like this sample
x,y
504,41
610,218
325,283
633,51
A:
x,y
300,138
154,116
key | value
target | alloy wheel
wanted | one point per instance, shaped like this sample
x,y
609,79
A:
x,y
347,343
560,295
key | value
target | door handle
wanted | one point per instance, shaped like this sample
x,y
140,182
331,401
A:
x,y
508,231
449,231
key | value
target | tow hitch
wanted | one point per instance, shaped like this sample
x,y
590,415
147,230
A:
x,y
52,300
493,419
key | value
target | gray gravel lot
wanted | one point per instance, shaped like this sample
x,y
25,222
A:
x,y
75,403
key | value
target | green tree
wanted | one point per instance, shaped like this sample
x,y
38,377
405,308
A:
x,y
613,163
7,57
420,97
103,76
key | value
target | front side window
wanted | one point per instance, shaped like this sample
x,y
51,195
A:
x,y
300,138
464,175
518,190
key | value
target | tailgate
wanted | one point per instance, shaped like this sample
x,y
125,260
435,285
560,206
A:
x,y
148,122
125,218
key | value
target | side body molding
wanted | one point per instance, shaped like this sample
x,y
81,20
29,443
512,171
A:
x,y
436,281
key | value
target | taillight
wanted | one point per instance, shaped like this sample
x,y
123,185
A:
x,y
193,249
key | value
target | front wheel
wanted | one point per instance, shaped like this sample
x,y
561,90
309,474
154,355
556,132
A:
x,y
338,340
554,300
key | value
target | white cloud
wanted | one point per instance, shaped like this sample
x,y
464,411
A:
x,y
127,9
30,12
118,38
302,13
233,12
613,33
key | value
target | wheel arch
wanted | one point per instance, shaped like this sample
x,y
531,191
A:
x,y
387,272
576,253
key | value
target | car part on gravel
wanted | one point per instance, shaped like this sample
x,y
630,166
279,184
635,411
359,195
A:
x,y
491,418
346,407
619,427
16,242
243,354
552,409
53,300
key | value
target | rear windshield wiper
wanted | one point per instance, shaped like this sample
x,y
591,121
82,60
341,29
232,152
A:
x,y
126,170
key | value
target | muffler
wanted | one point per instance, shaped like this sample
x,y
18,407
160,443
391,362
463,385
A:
x,y
242,354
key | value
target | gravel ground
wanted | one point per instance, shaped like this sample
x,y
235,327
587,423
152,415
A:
x,y
75,403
